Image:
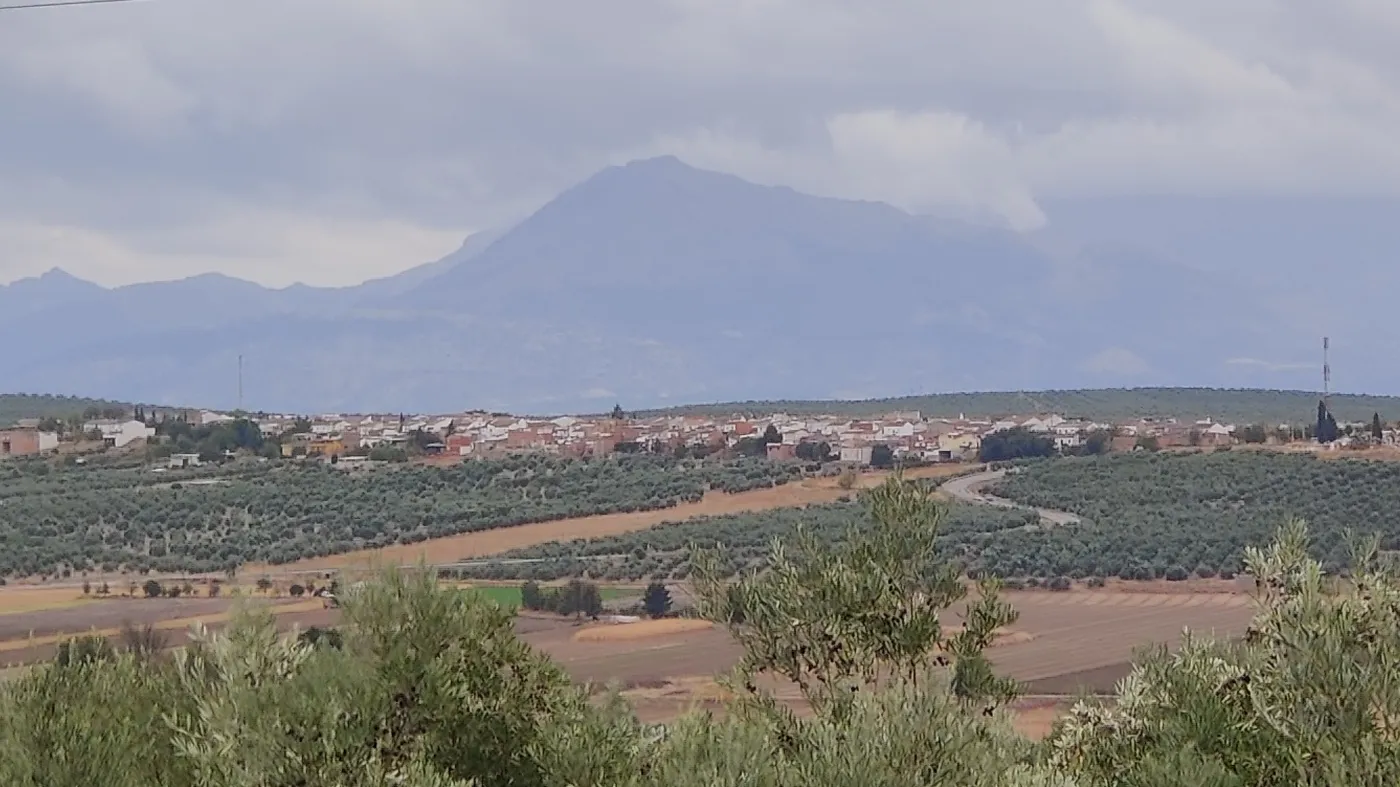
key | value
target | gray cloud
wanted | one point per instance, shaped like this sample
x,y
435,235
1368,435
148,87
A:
x,y
332,141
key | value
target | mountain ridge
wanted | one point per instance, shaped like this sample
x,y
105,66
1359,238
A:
x,y
655,282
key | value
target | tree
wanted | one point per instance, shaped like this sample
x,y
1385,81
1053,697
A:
x,y
810,451
657,600
530,596
1097,442
316,636
833,618
152,589
1148,443
1326,430
264,584
617,413
296,590
87,649
771,436
144,642
751,446
1015,443
87,588
1254,433
580,598
881,456
1377,429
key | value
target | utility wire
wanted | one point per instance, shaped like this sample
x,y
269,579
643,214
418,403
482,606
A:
x,y
60,3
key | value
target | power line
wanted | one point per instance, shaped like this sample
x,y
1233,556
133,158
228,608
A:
x,y
59,4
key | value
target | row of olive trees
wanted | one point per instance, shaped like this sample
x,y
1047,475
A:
x,y
109,521
427,687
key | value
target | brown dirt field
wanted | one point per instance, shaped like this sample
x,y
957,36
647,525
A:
x,y
31,636
1034,718
1082,641
298,615
642,629
34,599
482,543
1000,638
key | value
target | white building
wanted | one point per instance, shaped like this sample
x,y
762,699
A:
x,y
856,454
117,434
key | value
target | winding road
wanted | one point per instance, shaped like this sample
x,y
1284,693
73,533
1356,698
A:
x,y
968,489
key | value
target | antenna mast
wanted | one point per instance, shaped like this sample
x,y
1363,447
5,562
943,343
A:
x,y
240,382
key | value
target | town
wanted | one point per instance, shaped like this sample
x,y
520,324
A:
x,y
896,437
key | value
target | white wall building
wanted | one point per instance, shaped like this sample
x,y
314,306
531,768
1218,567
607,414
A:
x,y
117,434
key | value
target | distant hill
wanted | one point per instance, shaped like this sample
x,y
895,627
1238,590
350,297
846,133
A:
x,y
14,407
656,282
1106,404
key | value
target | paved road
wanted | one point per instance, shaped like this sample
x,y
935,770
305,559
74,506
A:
x,y
968,489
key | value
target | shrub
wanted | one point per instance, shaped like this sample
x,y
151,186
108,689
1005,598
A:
x,y
152,589
1095,582
1176,574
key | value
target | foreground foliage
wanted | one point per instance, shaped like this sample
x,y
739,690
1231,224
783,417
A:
x,y
83,518
429,687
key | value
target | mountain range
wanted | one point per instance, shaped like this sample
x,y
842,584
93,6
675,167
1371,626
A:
x,y
656,283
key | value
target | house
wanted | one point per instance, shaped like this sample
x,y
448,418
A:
x,y
325,446
778,451
856,454
182,461
118,434
955,446
1218,434
26,442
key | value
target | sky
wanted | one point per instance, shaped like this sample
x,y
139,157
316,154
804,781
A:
x,y
330,141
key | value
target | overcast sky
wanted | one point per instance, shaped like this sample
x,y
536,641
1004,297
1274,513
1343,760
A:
x,y
328,141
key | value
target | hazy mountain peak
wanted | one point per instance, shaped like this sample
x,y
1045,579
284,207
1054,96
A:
x,y
662,282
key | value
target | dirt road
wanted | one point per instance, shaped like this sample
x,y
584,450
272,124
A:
x,y
968,489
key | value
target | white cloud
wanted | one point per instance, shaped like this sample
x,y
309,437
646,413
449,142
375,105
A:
x,y
1270,366
276,250
347,127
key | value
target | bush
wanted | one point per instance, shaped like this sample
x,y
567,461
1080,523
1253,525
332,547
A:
x,y
152,589
1176,574
296,591
1060,583
1095,582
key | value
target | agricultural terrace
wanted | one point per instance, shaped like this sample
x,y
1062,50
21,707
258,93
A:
x,y
663,551
78,518
1164,515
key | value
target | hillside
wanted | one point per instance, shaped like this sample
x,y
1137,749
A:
x,y
1231,405
653,283
13,407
